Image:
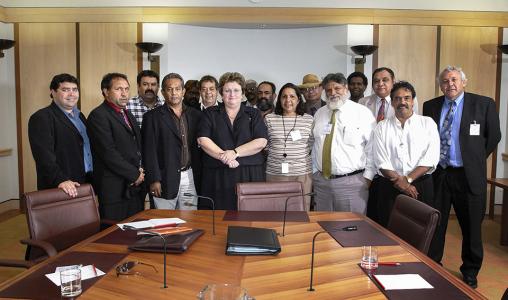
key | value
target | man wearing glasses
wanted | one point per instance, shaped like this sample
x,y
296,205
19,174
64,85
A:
x,y
311,89
59,140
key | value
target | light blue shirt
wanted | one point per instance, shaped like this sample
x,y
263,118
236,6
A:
x,y
80,126
454,152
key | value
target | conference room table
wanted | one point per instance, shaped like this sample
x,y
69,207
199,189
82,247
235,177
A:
x,y
337,274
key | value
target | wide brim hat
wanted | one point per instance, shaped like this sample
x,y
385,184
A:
x,y
310,80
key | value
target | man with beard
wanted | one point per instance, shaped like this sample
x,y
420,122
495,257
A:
x,y
208,90
266,96
357,83
170,151
405,150
116,145
147,99
251,93
312,89
342,130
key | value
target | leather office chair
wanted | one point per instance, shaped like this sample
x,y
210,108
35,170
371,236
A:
x,y
270,196
56,222
413,221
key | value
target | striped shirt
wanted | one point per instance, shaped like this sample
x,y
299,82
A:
x,y
138,108
281,134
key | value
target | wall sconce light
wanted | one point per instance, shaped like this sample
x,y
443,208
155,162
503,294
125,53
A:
x,y
149,48
503,48
4,45
362,50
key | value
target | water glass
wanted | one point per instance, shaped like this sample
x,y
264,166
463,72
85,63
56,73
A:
x,y
369,258
223,291
70,282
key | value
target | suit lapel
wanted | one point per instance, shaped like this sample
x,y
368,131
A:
x,y
167,119
436,111
465,119
64,119
119,118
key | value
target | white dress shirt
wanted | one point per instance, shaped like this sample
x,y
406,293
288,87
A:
x,y
373,102
353,127
402,149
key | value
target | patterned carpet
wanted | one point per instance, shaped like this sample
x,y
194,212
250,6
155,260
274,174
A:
x,y
492,280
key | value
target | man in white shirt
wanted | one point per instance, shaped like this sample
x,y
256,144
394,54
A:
x,y
208,92
379,103
405,150
342,130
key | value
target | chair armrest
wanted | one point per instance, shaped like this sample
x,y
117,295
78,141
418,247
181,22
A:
x,y
15,263
47,247
108,222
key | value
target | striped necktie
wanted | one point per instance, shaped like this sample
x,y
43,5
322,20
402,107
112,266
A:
x,y
446,136
381,111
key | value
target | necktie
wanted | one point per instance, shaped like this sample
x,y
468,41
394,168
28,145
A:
x,y
327,148
381,111
126,120
446,136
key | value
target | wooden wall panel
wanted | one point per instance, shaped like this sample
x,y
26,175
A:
x,y
104,48
410,51
45,49
473,49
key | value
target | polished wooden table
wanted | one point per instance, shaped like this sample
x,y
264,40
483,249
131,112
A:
x,y
285,276
502,183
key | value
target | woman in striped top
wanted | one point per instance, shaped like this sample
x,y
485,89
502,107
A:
x,y
290,140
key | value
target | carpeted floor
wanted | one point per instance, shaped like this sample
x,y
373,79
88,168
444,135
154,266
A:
x,y
492,280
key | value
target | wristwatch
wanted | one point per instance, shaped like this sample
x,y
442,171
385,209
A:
x,y
409,179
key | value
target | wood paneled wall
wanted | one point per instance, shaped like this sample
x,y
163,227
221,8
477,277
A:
x,y
45,49
105,48
410,51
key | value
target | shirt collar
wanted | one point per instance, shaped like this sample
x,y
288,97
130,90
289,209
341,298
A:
x,y
387,98
75,111
458,100
115,107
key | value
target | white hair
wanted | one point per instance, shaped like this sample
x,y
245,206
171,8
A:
x,y
450,69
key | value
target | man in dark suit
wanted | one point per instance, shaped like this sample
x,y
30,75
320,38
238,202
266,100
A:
x,y
116,144
469,132
170,151
59,141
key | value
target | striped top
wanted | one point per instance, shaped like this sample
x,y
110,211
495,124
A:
x,y
282,131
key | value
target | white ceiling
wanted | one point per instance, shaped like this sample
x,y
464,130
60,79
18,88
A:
x,y
464,5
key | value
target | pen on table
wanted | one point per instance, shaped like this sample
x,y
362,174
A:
x,y
94,270
163,225
388,263
350,228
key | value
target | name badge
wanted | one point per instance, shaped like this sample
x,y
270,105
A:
x,y
285,168
474,129
296,135
327,129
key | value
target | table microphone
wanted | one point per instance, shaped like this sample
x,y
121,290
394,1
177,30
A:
x,y
151,233
203,197
286,208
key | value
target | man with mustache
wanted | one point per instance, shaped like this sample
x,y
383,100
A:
x,y
312,90
469,132
379,103
209,92
266,97
147,98
405,149
342,130
116,145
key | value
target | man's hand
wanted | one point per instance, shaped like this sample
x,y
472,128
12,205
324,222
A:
x,y
400,183
411,191
141,177
69,187
155,189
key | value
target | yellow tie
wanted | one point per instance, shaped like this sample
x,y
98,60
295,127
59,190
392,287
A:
x,y
327,149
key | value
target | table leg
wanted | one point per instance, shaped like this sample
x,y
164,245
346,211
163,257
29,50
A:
x,y
504,219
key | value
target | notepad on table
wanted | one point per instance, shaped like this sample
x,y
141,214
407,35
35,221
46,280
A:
x,y
402,282
153,223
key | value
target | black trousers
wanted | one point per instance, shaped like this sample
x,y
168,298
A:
x,y
451,188
382,196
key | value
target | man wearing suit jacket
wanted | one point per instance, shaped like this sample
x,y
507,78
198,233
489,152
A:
x,y
469,132
59,141
379,103
170,151
116,144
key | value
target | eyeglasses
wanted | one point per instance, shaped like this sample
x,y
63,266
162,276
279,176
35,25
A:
x,y
126,268
310,89
232,91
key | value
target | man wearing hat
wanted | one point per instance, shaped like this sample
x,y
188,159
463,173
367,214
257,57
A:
x,y
312,90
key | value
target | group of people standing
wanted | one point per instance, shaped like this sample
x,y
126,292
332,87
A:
x,y
357,153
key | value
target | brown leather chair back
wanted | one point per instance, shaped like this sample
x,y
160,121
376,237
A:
x,y
55,217
270,196
413,221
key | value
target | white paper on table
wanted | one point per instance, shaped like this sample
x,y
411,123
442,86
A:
x,y
87,272
152,222
403,282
